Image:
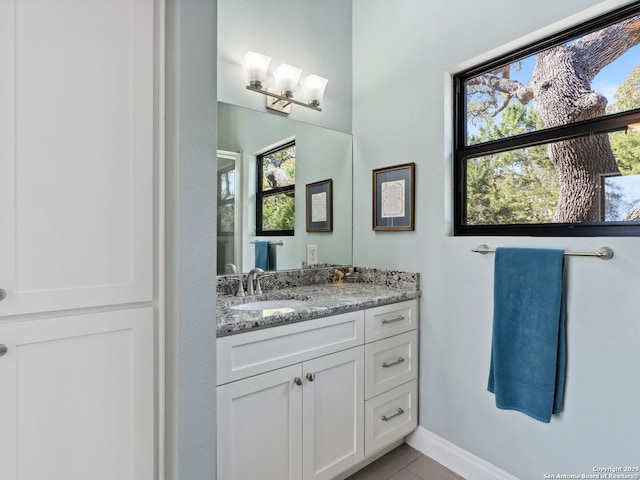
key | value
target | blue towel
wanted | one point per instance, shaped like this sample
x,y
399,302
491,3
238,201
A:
x,y
262,255
273,259
528,350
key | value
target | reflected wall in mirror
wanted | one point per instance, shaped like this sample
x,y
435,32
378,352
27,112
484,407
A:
x,y
321,154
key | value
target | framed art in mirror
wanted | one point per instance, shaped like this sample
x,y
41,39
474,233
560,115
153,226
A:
x,y
319,201
393,197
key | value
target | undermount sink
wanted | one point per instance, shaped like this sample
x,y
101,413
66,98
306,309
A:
x,y
269,304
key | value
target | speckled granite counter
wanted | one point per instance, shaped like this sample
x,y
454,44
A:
x,y
320,300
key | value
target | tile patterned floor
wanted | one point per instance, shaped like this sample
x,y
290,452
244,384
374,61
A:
x,y
405,463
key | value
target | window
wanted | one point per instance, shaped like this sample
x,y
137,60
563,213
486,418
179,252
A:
x,y
226,199
547,139
276,191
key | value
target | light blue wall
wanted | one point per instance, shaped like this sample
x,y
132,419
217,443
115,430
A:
x,y
191,136
309,34
401,55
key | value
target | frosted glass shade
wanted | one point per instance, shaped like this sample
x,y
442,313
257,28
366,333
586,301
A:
x,y
255,68
313,87
286,78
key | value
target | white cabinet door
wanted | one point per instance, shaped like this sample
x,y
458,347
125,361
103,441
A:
x,y
77,153
333,420
77,397
260,427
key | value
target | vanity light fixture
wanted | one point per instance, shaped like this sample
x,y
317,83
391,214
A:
x,y
286,76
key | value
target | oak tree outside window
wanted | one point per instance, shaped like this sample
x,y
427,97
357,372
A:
x,y
547,139
276,191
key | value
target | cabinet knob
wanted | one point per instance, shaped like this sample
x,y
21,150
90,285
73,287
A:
x,y
3,294
311,377
297,381
3,349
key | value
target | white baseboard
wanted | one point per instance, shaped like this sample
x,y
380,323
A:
x,y
465,464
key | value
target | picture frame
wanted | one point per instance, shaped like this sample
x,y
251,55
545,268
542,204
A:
x,y
319,206
394,198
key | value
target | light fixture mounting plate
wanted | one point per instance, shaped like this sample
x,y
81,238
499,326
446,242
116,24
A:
x,y
276,104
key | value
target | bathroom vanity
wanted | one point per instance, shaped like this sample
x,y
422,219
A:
x,y
312,389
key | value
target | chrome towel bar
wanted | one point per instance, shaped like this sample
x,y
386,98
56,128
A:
x,y
605,253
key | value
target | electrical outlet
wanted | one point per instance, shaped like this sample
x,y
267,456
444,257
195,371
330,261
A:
x,y
312,254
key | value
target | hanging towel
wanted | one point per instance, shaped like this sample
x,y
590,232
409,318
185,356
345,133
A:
x,y
528,350
262,255
272,256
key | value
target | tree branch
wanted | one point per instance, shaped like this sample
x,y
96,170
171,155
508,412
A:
x,y
597,50
505,85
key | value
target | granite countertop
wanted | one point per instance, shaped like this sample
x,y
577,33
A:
x,y
320,300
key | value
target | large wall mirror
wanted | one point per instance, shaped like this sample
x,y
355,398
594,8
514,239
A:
x,y
320,154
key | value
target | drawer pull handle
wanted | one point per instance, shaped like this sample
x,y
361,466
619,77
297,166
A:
x,y
311,377
399,318
297,381
398,413
392,364
3,349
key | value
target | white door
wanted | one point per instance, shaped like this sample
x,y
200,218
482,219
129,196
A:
x,y
77,397
333,420
260,427
77,92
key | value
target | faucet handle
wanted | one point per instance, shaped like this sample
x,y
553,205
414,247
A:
x,y
258,286
240,290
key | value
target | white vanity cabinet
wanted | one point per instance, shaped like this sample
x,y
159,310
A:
x,y
310,400
391,364
300,421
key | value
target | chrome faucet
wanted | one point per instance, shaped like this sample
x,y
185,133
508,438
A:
x,y
254,274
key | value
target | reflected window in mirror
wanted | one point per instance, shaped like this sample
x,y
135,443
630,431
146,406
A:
x,y
226,200
276,190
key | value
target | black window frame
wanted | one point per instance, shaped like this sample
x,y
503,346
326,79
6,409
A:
x,y
260,194
462,152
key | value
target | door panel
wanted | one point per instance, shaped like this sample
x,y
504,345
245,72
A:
x,y
76,153
77,397
260,427
333,413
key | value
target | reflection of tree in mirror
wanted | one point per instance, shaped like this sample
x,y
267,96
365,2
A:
x,y
558,92
279,168
277,195
278,212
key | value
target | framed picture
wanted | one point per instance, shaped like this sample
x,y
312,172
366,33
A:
x,y
393,197
320,206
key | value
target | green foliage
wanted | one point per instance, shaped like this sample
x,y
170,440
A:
x,y
278,212
626,145
514,187
627,96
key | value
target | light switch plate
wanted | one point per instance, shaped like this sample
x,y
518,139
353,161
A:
x,y
312,254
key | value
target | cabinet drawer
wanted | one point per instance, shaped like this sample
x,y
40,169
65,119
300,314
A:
x,y
388,320
390,416
390,362
246,354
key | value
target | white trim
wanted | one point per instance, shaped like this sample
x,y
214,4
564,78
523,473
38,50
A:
x,y
455,458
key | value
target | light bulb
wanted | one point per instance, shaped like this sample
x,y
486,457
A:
x,y
287,79
255,67
313,87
